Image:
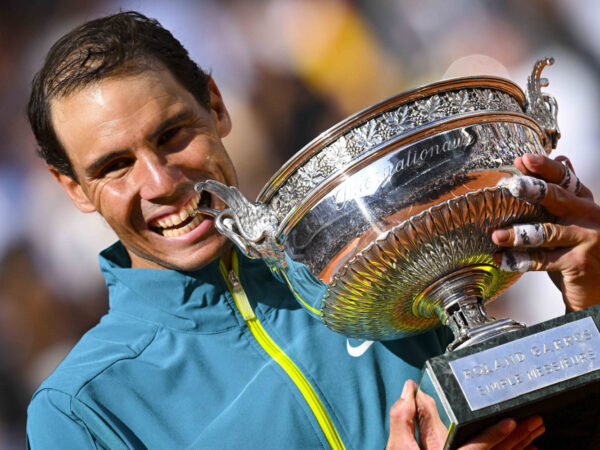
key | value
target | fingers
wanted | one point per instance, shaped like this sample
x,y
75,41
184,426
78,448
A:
x,y
568,249
564,204
523,435
557,171
527,188
571,247
555,199
575,270
550,235
569,181
507,434
522,235
402,424
584,191
491,436
540,166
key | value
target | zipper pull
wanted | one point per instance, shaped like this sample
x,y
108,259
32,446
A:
x,y
234,280
239,296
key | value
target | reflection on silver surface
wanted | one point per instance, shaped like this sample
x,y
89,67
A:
x,y
390,211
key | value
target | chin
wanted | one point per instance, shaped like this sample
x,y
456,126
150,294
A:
x,y
182,260
203,256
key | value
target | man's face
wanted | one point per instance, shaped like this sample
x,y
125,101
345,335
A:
x,y
138,144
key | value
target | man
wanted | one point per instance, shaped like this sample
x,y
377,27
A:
x,y
203,348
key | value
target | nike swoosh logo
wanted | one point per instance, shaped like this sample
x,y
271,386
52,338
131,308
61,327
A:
x,y
359,350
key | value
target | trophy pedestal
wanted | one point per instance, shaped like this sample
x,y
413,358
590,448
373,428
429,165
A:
x,y
550,369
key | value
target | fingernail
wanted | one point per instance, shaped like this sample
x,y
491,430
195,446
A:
x,y
501,236
535,159
405,389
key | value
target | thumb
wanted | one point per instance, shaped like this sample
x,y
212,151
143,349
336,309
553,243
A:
x,y
402,423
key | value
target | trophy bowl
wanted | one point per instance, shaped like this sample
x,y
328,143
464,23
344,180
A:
x,y
381,225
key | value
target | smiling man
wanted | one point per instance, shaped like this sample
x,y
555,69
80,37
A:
x,y
202,347
137,145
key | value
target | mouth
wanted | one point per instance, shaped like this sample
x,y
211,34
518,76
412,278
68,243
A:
x,y
184,220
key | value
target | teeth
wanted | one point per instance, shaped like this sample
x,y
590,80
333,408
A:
x,y
184,214
177,218
191,208
179,231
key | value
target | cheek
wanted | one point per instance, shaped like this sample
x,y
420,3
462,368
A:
x,y
114,200
207,154
222,164
229,170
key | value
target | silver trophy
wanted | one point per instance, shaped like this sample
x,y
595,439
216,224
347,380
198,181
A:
x,y
381,226
390,211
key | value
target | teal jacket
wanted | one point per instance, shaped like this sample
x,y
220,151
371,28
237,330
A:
x,y
211,359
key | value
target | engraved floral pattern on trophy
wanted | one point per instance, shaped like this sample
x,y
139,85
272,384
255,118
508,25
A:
x,y
380,130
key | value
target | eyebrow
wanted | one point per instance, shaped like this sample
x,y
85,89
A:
x,y
179,117
93,168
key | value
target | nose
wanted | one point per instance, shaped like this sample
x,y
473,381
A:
x,y
157,179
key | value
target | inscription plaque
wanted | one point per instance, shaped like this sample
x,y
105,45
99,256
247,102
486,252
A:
x,y
530,363
549,369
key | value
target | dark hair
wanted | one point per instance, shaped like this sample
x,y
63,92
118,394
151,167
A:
x,y
121,44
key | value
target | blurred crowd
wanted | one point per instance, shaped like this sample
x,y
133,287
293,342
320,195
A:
x,y
288,70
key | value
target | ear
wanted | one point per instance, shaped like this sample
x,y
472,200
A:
x,y
74,190
218,109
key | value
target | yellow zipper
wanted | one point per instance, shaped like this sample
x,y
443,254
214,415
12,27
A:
x,y
259,333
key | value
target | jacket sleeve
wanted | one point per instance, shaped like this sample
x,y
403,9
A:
x,y
50,423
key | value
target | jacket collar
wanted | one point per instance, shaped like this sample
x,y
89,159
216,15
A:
x,y
193,301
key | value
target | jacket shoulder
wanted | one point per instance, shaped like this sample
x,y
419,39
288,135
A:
x,y
115,338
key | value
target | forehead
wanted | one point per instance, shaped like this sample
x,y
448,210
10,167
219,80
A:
x,y
116,94
115,111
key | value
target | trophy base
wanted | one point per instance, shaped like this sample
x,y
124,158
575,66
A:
x,y
550,369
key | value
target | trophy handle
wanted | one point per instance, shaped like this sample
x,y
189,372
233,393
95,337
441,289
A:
x,y
541,106
250,226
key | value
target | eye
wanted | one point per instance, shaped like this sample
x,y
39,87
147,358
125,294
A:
x,y
115,166
168,135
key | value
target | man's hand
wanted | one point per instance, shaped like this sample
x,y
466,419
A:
x,y
506,434
568,249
